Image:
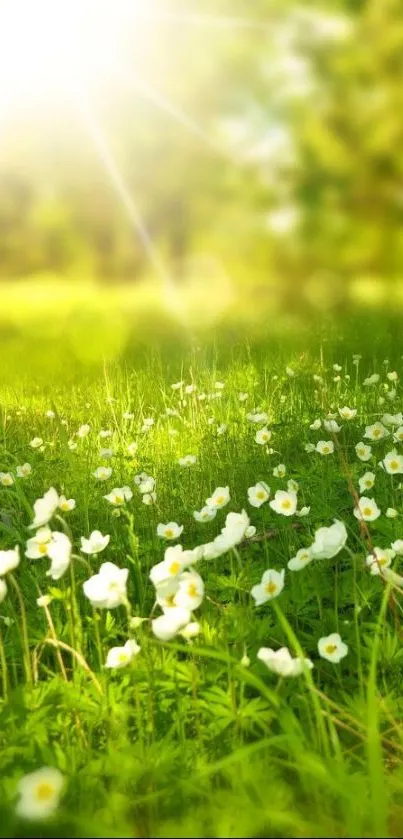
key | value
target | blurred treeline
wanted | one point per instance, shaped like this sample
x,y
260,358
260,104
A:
x,y
270,144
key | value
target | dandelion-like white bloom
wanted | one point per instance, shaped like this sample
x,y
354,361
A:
x,y
172,530
271,585
107,589
393,463
9,560
367,481
39,793
119,496
102,473
220,498
280,471
347,413
282,663
122,656
325,447
329,541
302,558
377,431
258,494
363,451
284,503
95,543
45,508
380,559
332,648
24,470
367,509
205,514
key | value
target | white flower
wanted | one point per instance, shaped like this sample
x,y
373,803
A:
x,y
105,433
66,504
379,560
24,471
45,508
271,585
9,560
367,509
337,368
95,543
332,648
177,385
190,591
316,425
176,559
292,486
106,453
132,448
72,445
398,435
325,447
172,530
329,541
393,463
263,436
107,589
347,413
258,494
39,793
391,513
119,495
397,547
36,443
191,630
146,484
236,525
189,389
37,546
149,498
206,514
59,552
168,625
331,426
367,481
50,414
243,397
43,600
128,415
290,372
304,511
6,479
302,558
250,532
309,448
377,431
84,430
3,589
102,473
257,418
284,503
219,498
188,460
122,656
392,376
371,380
363,452
282,663
392,419
279,471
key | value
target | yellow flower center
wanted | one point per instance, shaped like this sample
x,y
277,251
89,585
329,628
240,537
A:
x,y
174,567
331,648
192,590
119,499
42,548
382,560
325,450
286,504
260,494
393,464
169,533
220,499
270,588
122,658
367,511
376,432
44,791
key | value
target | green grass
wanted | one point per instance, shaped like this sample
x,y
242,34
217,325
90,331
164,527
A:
x,y
187,740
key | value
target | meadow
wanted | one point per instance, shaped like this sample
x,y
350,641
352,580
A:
x,y
158,699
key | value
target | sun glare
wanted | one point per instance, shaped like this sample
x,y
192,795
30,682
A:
x,y
50,48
